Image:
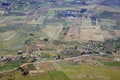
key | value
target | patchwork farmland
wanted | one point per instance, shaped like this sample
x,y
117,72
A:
x,y
59,40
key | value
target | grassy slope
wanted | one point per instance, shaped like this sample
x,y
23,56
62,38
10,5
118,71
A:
x,y
10,65
51,75
70,71
113,63
17,42
86,72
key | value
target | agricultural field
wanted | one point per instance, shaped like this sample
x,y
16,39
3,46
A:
x,y
90,35
108,22
53,31
50,13
17,38
50,75
5,35
86,23
117,32
71,70
40,20
100,8
10,65
59,40
14,19
86,72
94,34
106,34
74,7
68,0
113,63
73,34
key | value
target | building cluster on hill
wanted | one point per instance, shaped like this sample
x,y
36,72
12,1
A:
x,y
70,13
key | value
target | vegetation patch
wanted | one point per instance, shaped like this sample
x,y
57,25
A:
x,y
50,75
112,63
11,65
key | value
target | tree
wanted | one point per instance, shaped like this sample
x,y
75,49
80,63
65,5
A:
x,y
28,43
25,72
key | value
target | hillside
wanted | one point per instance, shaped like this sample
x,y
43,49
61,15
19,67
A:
x,y
59,39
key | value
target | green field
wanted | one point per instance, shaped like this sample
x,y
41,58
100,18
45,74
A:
x,y
17,42
50,75
73,71
112,63
50,13
68,0
86,72
10,65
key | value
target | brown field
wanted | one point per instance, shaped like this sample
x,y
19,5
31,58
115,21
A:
x,y
87,34
94,34
46,66
86,23
117,32
3,24
106,34
75,8
42,67
108,22
106,8
73,34
53,31
7,34
60,47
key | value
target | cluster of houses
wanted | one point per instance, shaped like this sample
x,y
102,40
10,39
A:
x,y
7,58
73,2
78,14
5,6
80,2
70,13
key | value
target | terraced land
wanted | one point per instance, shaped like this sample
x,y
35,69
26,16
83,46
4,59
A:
x,y
69,70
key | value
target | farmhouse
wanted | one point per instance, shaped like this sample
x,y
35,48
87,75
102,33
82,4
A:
x,y
79,2
2,12
93,19
116,57
67,13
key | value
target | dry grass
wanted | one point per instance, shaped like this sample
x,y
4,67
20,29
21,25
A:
x,y
106,34
75,8
94,34
73,34
108,22
117,32
5,35
106,8
53,31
